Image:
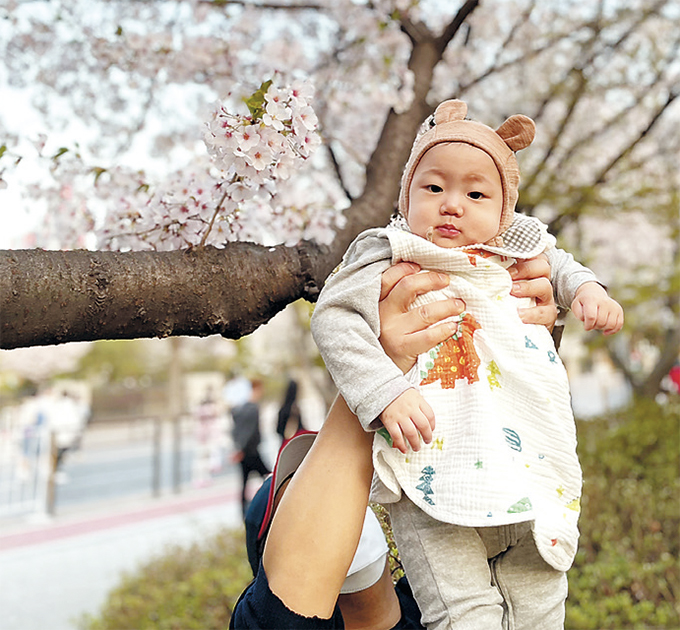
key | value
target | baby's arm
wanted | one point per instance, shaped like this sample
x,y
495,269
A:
x,y
346,328
577,287
407,418
596,309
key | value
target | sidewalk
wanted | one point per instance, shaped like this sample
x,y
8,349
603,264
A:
x,y
53,572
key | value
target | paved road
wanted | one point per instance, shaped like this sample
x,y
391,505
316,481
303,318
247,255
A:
x,y
106,522
118,472
52,573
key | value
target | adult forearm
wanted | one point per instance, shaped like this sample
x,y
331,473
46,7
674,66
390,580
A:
x,y
318,523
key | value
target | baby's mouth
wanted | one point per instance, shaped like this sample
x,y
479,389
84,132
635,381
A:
x,y
447,230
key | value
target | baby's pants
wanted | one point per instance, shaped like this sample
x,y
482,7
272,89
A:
x,y
485,578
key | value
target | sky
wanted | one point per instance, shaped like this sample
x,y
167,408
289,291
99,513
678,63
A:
x,y
16,114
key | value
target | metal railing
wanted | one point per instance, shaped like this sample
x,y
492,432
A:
x,y
25,463
135,456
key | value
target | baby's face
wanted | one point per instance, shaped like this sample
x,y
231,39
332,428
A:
x,y
456,196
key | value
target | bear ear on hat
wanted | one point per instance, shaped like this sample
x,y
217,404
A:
x,y
449,111
517,131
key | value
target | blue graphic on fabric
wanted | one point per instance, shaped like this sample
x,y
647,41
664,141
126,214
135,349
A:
x,y
513,439
552,356
529,344
426,486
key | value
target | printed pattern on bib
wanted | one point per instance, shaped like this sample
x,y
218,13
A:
x,y
456,358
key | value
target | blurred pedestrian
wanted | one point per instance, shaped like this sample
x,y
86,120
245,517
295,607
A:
x,y
67,418
246,436
290,418
208,457
236,392
31,436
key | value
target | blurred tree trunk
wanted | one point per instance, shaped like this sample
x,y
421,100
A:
x,y
668,343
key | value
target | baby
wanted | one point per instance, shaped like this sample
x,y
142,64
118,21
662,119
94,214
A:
x,y
498,484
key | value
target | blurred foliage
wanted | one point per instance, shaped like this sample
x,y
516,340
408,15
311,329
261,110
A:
x,y
626,573
120,360
192,588
146,361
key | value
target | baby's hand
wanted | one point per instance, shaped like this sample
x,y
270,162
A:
x,y
596,309
406,418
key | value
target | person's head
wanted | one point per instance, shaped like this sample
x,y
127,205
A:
x,y
460,184
256,389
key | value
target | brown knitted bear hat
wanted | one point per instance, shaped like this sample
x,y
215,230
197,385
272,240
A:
x,y
449,125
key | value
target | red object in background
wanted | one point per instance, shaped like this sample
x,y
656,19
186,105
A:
x,y
675,377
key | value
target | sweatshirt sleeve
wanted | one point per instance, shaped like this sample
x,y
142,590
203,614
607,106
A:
x,y
346,328
567,276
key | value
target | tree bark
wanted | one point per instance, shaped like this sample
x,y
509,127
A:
x,y
50,297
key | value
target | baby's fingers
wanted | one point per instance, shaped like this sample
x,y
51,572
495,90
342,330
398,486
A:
x,y
425,422
412,436
589,316
614,323
398,441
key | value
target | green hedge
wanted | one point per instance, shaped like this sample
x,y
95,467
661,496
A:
x,y
626,573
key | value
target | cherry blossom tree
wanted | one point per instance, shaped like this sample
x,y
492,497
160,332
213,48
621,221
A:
x,y
214,229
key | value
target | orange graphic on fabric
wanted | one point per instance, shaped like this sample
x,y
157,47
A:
x,y
472,255
456,358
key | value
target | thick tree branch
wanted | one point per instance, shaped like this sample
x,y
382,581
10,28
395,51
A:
x,y
650,384
49,297
383,171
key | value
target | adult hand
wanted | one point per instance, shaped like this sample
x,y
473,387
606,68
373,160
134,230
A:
x,y
404,333
531,278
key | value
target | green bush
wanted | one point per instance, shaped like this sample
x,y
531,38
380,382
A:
x,y
626,572
191,588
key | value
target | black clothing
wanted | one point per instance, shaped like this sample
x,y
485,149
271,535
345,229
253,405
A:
x,y
246,436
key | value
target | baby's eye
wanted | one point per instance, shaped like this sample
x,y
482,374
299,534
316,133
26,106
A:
x,y
476,195
434,188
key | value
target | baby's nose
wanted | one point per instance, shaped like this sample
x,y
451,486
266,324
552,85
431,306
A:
x,y
452,204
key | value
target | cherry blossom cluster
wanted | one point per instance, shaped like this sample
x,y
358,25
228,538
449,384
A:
x,y
250,152
234,197
169,216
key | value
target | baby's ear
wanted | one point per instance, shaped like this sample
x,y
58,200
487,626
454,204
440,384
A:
x,y
450,111
517,131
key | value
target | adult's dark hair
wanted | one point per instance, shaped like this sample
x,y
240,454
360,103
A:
x,y
289,408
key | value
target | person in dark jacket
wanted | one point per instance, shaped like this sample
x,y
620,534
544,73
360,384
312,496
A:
x,y
246,436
